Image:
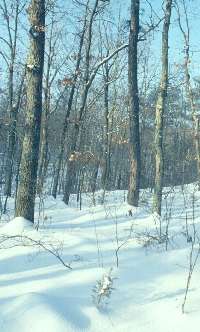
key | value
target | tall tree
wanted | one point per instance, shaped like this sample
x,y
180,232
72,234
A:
x,y
71,172
88,79
188,84
50,75
10,59
134,134
30,151
69,108
160,110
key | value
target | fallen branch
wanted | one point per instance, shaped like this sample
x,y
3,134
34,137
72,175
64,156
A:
x,y
21,240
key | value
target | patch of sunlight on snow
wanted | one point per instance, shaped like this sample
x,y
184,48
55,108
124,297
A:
x,y
16,226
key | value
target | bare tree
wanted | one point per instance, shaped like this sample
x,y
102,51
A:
x,y
13,102
160,111
50,75
25,201
134,134
190,95
69,108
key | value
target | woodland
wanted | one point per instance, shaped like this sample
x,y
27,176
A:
x,y
99,164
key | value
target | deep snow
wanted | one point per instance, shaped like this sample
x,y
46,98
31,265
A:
x,y
38,293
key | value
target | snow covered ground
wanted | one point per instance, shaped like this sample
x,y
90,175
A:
x,y
38,293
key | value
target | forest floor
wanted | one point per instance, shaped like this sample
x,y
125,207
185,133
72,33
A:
x,y
147,288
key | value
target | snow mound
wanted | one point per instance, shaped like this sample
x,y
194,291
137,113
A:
x,y
16,226
33,312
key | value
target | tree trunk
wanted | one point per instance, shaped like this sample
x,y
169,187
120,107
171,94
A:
x,y
71,172
160,109
11,137
134,134
44,157
69,107
30,151
12,109
106,150
189,91
70,176
44,146
196,119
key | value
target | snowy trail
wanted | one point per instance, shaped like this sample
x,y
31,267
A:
x,y
38,293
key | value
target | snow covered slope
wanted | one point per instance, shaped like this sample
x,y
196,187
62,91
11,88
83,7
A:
x,y
38,293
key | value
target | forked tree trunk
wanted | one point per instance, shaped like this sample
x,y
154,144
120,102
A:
x,y
160,109
30,151
134,135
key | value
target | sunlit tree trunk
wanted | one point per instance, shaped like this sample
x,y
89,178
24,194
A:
x,y
106,147
44,148
196,120
160,109
134,135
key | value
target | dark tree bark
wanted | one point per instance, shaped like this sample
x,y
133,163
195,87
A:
x,y
30,151
160,110
134,134
44,146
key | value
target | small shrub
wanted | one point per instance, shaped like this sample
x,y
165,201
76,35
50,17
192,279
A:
x,y
103,289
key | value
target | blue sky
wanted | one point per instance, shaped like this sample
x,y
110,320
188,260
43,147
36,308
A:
x,y
176,40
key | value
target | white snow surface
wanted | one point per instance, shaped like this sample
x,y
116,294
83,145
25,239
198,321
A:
x,y
38,293
16,226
